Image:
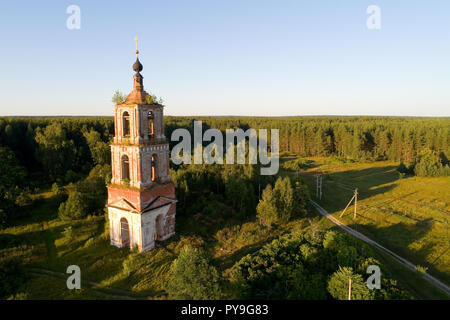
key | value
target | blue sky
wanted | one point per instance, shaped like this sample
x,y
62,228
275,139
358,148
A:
x,y
214,57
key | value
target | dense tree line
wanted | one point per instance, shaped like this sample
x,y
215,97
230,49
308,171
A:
x,y
427,164
41,141
368,138
239,185
49,148
39,151
421,141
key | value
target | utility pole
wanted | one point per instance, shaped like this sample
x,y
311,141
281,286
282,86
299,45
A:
x,y
349,288
355,196
319,186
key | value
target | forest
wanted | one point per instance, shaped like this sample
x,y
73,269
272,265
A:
x,y
70,157
45,150
359,138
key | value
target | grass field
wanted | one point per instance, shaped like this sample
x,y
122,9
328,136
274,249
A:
x,y
42,241
408,215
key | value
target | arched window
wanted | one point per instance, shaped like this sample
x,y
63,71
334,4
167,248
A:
x,y
126,124
125,168
124,233
150,122
154,172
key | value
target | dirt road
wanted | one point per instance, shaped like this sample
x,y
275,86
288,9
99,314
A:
x,y
437,283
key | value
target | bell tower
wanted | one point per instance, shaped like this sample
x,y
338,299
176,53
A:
x,y
141,195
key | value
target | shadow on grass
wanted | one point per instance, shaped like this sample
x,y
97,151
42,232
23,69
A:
x,y
41,209
338,187
367,181
398,238
52,253
10,240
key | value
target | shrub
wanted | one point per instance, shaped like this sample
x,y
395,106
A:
x,y
68,233
101,171
297,164
23,199
240,235
58,190
192,277
341,160
74,208
430,164
191,241
284,269
71,176
118,97
19,296
86,197
421,269
339,282
94,193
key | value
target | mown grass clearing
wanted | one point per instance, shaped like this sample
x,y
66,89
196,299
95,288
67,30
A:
x,y
408,215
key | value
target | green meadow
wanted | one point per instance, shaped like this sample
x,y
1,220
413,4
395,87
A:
x,y
409,215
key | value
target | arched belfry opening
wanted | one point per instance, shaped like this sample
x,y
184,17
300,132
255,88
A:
x,y
150,122
154,167
126,124
125,168
124,233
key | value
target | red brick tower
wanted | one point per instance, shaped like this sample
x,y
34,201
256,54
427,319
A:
x,y
141,196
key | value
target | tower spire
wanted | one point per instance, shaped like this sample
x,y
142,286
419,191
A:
x,y
137,66
137,51
138,95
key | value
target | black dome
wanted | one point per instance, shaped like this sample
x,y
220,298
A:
x,y
137,66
